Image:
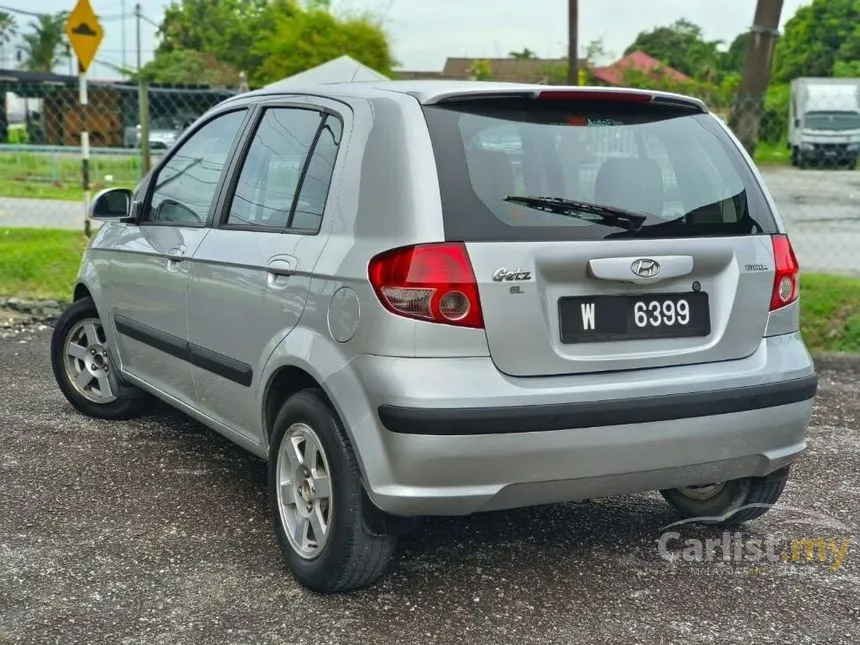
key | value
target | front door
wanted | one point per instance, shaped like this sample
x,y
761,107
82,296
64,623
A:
x,y
148,275
250,276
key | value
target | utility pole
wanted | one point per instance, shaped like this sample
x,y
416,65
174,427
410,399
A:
x,y
137,39
573,42
749,106
123,34
85,145
142,101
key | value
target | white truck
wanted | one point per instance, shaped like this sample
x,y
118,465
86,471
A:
x,y
824,122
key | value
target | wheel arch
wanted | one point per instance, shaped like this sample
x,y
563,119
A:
x,y
90,289
306,359
283,383
88,281
289,372
81,291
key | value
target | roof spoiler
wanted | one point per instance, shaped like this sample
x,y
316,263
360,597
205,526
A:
x,y
573,94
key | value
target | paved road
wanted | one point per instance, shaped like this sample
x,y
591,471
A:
x,y
41,213
156,531
821,209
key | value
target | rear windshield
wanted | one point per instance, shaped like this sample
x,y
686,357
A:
x,y
670,163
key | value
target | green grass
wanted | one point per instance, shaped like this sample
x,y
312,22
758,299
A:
x,y
46,175
830,312
772,154
39,263
43,263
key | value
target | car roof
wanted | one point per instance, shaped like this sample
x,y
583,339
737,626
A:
x,y
435,91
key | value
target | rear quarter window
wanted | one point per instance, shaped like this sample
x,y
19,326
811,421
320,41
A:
x,y
671,163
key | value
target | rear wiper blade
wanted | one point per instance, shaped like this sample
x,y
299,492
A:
x,y
573,208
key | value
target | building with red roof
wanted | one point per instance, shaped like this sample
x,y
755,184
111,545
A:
x,y
640,62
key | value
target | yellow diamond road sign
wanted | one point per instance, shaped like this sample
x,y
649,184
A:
x,y
85,33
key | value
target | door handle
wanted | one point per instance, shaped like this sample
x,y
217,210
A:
x,y
175,256
279,270
177,253
281,267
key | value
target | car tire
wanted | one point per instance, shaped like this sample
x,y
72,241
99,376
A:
x,y
79,350
321,529
732,502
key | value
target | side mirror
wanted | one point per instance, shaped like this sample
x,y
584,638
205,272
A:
x,y
797,123
112,204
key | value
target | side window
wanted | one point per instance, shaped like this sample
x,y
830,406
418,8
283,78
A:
x,y
292,152
185,185
315,186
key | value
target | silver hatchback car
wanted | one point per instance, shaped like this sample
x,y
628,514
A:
x,y
422,299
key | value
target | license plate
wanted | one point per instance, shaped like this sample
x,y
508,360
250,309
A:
x,y
607,318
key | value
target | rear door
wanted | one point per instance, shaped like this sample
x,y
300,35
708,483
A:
x,y
251,274
568,292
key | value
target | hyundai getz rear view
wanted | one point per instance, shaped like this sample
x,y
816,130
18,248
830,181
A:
x,y
425,299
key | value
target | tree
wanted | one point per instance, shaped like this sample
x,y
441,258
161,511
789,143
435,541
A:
x,y
8,29
680,45
266,39
482,70
306,39
848,56
596,54
44,45
187,67
816,38
718,96
733,59
229,30
525,54
847,69
557,74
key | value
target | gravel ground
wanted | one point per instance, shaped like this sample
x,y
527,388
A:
x,y
156,531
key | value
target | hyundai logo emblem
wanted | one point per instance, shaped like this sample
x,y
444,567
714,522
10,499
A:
x,y
645,267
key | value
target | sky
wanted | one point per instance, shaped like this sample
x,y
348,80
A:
x,y
424,33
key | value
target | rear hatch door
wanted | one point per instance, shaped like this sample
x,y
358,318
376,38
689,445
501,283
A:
x,y
682,274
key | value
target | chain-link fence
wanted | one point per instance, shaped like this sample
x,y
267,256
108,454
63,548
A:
x,y
806,150
40,135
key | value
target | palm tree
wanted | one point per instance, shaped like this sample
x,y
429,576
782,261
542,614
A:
x,y
44,46
8,29
526,54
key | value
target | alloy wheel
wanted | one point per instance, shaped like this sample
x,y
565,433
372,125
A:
x,y
304,490
87,361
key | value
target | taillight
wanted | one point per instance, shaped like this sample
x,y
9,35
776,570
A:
x,y
786,281
432,282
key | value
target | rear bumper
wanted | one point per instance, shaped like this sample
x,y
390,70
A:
x,y
455,436
594,414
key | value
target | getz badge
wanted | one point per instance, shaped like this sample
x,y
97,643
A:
x,y
515,275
